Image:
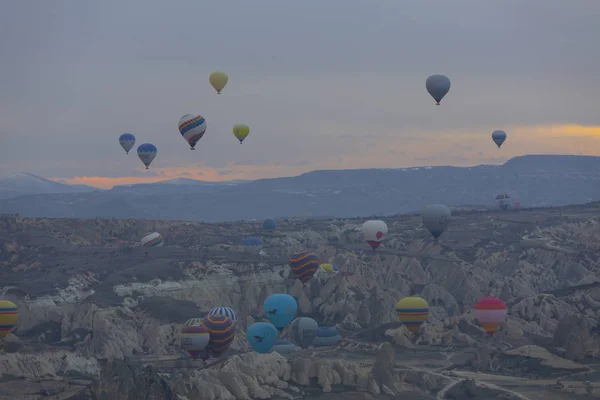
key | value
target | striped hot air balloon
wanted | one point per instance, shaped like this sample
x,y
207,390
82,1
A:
x,y
491,313
194,339
193,322
226,311
412,312
9,313
304,264
222,332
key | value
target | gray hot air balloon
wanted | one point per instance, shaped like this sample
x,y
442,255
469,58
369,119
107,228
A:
x,y
435,218
303,331
437,86
499,137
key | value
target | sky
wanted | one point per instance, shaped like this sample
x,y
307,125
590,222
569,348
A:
x,y
323,84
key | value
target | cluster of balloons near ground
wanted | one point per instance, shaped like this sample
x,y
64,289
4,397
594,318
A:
x,y
193,127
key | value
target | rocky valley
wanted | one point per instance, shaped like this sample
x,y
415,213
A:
x,y
99,315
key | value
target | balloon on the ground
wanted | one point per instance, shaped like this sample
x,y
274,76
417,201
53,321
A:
x,y
499,137
412,312
280,309
147,153
252,241
9,314
218,80
194,339
436,218
330,268
262,336
241,131
153,239
127,140
192,128
327,336
193,322
303,331
284,346
491,313
437,86
222,332
503,201
304,264
374,232
269,224
226,311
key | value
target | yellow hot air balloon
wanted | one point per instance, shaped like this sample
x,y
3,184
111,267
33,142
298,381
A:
x,y
9,314
218,80
412,312
241,131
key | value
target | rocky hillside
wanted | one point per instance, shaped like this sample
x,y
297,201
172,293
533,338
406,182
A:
x,y
99,315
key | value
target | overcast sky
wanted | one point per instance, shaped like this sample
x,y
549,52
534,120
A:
x,y
322,84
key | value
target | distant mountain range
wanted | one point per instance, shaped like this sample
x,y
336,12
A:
x,y
535,180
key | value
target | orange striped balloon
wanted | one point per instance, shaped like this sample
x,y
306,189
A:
x,y
304,264
412,312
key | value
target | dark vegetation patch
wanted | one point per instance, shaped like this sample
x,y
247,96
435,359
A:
x,y
45,332
170,310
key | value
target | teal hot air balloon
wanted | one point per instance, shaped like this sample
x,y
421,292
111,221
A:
x,y
499,137
280,309
269,224
303,331
437,86
262,336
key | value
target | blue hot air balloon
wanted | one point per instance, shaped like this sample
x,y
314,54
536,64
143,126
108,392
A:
x,y
280,309
284,346
327,336
146,153
269,224
262,336
252,241
127,140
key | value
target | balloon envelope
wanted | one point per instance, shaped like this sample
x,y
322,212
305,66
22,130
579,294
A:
x,y
304,264
226,311
147,152
374,232
194,339
252,241
241,131
437,86
491,313
218,80
499,137
193,322
284,346
9,313
280,309
331,268
327,336
269,224
192,128
262,336
153,239
412,312
127,140
222,332
435,218
303,331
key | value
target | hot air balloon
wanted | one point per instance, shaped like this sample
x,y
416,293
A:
x,y
304,264
435,218
252,241
147,152
280,309
9,313
503,201
127,140
222,332
491,313
412,312
499,137
192,128
262,336
193,322
374,232
218,80
153,239
303,331
226,311
437,86
330,268
284,346
269,224
194,339
327,336
241,131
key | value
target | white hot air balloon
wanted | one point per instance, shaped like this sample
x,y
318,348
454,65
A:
x,y
374,232
153,239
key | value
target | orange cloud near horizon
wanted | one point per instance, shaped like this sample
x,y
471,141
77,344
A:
x,y
458,148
